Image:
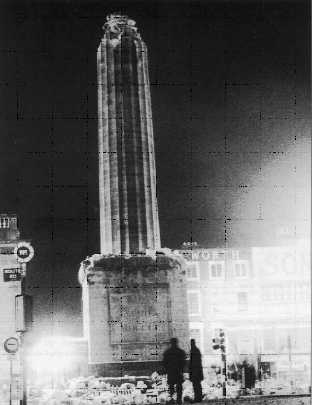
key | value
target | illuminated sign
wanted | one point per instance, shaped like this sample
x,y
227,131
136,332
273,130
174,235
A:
x,y
203,255
286,262
23,252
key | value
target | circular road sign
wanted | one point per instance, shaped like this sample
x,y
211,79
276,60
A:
x,y
23,252
11,345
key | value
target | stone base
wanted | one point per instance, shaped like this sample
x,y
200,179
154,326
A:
x,y
132,307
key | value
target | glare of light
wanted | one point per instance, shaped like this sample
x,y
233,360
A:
x,y
278,197
52,355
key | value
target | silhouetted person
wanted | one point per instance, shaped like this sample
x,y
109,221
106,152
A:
x,y
174,362
196,371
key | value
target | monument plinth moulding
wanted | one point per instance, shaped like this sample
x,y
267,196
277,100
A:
x,y
134,293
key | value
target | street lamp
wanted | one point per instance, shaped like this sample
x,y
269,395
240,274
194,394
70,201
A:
x,y
23,252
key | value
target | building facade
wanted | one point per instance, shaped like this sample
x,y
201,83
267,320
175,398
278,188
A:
x,y
260,297
10,286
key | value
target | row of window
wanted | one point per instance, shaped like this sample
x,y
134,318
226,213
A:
x,y
246,345
277,294
266,340
195,308
217,269
241,299
286,293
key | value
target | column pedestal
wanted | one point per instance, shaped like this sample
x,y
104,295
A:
x,y
132,308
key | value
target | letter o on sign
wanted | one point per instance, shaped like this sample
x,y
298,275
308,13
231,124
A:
x,y
23,252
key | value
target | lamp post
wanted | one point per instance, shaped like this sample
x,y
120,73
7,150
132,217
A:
x,y
11,347
290,359
23,252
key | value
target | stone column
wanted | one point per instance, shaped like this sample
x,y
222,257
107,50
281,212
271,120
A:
x,y
128,204
134,300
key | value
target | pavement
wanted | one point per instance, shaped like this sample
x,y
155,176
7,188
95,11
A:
x,y
264,400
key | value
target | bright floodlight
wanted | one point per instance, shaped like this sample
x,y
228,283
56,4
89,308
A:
x,y
52,354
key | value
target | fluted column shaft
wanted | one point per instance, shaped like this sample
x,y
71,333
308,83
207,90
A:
x,y
128,205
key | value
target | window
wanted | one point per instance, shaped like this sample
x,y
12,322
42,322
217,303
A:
x,y
305,293
192,271
268,369
216,302
216,270
266,294
269,343
269,339
197,333
193,300
242,303
245,346
241,268
4,222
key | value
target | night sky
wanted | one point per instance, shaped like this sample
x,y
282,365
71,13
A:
x,y
230,88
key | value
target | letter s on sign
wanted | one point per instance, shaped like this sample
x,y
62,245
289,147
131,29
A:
x,y
270,265
289,264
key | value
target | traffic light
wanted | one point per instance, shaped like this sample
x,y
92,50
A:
x,y
219,341
222,341
216,345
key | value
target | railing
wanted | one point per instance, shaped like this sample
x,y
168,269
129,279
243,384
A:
x,y
95,392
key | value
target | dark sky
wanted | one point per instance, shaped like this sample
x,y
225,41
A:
x,y
230,87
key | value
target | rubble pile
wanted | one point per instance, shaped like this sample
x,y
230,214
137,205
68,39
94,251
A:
x,y
143,391
96,391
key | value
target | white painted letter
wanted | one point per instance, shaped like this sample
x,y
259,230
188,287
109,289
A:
x,y
205,255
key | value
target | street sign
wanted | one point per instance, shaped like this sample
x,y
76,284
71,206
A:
x,y
23,313
11,345
11,274
23,252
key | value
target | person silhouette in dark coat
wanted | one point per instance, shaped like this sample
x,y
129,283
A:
x,y
174,362
196,371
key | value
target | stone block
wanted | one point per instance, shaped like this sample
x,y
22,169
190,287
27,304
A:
x,y
132,307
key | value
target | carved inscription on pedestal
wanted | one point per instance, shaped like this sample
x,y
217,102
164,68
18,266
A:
x,y
139,314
